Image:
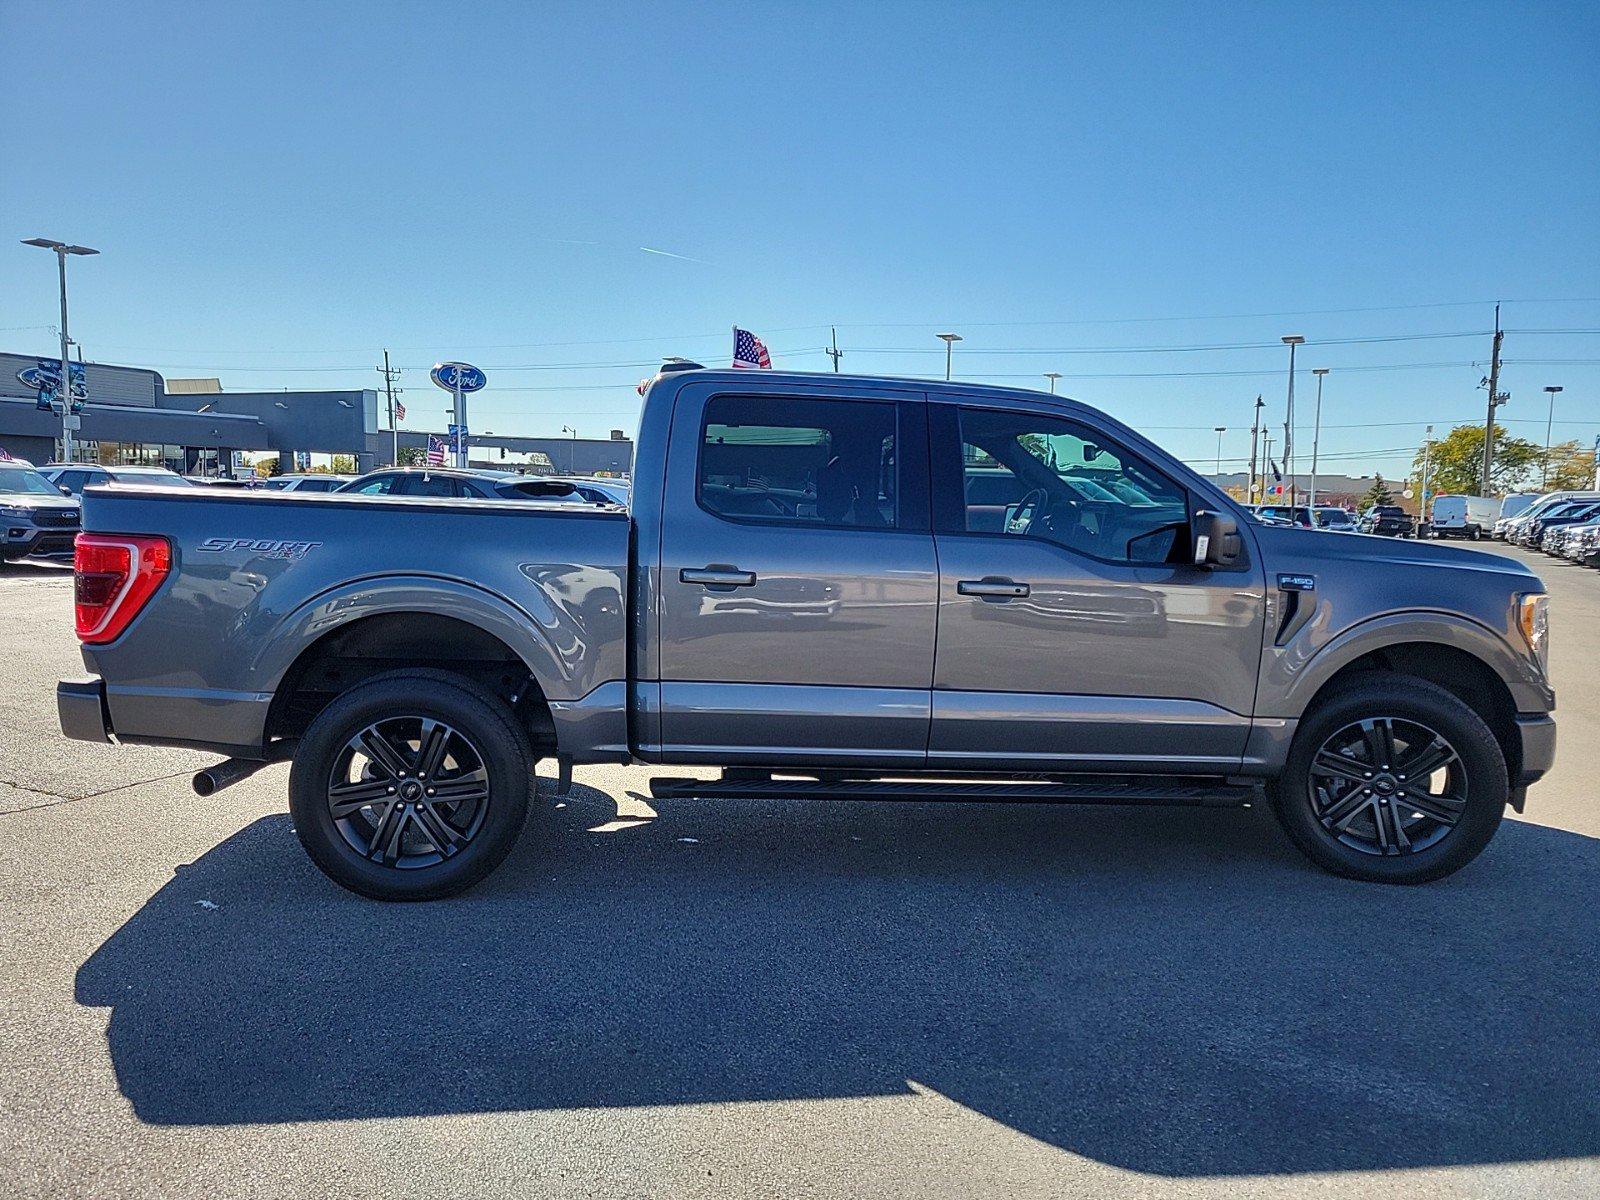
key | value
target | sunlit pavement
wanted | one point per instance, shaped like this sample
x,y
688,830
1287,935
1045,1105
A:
x,y
765,1000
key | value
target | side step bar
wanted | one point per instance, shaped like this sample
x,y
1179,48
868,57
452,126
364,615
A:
x,y
1209,792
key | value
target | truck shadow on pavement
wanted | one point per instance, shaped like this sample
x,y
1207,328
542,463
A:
x,y
1168,991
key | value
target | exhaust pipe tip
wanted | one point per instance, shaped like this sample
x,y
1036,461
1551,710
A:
x,y
204,783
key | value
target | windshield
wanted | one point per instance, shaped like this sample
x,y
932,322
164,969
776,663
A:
x,y
21,481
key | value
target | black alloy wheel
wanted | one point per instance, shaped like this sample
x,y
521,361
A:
x,y
1388,786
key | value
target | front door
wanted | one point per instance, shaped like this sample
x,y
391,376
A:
x,y
798,587
1074,631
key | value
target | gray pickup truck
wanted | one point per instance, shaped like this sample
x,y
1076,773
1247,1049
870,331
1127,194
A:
x,y
829,587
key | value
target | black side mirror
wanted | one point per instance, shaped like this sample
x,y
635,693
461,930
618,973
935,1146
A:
x,y
1215,540
65,490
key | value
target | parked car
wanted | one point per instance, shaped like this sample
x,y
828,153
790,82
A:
x,y
72,478
1463,516
36,520
466,483
1388,520
1511,507
597,490
413,657
1284,514
1579,539
307,483
1339,520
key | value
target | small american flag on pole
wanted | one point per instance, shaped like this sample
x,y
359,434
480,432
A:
x,y
435,450
399,411
749,350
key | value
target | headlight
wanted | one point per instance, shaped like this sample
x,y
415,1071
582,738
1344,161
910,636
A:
x,y
12,512
1533,616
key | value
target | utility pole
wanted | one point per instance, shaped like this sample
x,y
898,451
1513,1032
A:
x,y
389,376
836,354
1255,440
1422,504
1495,399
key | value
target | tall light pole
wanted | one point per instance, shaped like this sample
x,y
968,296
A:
x,y
1052,376
63,249
1550,419
1219,431
949,340
1290,340
1316,435
572,451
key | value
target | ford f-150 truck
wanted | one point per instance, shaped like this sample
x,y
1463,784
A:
x,y
830,587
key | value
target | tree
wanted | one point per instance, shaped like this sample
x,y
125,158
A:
x,y
1455,463
1378,493
343,464
1571,467
270,467
413,456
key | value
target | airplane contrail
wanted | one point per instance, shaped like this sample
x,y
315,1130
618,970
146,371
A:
x,y
670,254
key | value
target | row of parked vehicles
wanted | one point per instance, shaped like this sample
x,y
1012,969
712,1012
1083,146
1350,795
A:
x,y
1469,517
40,506
1562,524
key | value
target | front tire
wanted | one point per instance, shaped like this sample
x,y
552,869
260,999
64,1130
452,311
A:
x,y
410,787
1392,779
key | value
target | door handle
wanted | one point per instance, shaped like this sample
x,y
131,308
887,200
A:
x,y
994,587
717,575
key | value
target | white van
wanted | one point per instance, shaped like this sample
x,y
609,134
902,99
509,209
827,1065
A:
x,y
1464,516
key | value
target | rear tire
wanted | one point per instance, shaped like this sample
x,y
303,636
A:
x,y
1392,779
411,786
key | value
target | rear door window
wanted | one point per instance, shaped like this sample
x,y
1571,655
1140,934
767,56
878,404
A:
x,y
799,461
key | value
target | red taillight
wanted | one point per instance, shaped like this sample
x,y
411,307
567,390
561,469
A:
x,y
115,574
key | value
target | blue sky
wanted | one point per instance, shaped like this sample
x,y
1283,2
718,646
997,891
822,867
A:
x,y
281,191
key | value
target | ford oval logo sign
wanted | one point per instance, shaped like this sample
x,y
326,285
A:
x,y
458,377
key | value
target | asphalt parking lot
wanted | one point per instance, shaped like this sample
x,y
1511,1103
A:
x,y
735,998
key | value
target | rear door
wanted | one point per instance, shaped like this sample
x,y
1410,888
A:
x,y
1075,633
798,584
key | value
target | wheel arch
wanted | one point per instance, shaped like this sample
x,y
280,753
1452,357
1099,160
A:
x,y
1466,676
347,636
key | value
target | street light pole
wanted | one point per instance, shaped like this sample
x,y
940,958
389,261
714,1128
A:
x,y
949,340
1316,434
1550,419
1290,340
1052,376
63,249
572,449
1219,431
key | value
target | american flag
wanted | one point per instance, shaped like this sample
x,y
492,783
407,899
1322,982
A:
x,y
436,446
749,350
399,411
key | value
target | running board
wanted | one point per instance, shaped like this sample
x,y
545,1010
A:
x,y
1209,792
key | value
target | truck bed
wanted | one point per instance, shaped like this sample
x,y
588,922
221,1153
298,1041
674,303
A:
x,y
258,578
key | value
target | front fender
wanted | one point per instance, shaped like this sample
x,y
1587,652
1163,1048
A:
x,y
1294,674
